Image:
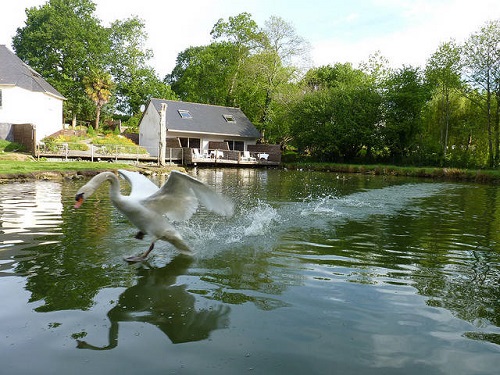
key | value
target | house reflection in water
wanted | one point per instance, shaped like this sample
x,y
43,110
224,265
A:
x,y
29,210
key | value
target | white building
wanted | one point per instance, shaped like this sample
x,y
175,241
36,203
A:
x,y
197,126
26,98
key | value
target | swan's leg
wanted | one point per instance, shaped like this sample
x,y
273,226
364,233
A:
x,y
151,247
142,257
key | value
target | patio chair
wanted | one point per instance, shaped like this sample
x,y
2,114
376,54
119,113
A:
x,y
246,156
197,154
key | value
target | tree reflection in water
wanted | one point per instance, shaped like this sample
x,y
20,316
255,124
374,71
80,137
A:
x,y
158,300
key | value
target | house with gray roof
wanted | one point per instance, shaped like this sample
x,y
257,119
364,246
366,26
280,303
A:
x,y
197,126
26,98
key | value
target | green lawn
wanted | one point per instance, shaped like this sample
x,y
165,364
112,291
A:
x,y
29,166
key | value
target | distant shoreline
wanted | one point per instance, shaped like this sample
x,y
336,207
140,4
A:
x,y
24,170
439,173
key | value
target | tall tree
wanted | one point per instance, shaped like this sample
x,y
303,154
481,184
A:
x,y
481,68
204,74
63,40
404,99
377,67
136,81
281,47
242,32
443,74
98,86
340,114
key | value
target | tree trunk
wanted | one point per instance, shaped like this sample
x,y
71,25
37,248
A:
x,y
497,129
447,123
97,118
491,153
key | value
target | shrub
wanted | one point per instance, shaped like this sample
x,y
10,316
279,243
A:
x,y
7,146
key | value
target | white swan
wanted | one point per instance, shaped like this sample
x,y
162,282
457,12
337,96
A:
x,y
147,204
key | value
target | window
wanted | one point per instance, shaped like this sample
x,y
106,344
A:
x,y
190,142
236,145
184,113
229,118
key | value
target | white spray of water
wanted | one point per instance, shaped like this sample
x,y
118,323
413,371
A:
x,y
260,220
325,205
262,225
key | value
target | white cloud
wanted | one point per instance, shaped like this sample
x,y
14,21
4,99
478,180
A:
x,y
426,24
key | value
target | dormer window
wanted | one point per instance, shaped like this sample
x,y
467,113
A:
x,y
229,118
184,113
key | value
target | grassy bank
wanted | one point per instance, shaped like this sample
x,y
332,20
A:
x,y
452,174
23,167
20,166
14,169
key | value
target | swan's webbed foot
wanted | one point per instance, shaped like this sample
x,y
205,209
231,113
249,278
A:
x,y
135,258
140,235
142,257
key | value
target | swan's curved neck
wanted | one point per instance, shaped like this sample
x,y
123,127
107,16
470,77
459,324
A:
x,y
114,188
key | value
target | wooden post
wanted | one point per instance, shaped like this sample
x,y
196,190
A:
x,y
163,134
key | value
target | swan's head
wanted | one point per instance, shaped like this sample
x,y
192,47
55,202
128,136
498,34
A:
x,y
79,200
82,194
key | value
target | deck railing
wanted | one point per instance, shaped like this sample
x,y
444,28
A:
x,y
225,156
68,150
137,153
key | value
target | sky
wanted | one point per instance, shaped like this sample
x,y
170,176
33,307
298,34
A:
x,y
406,32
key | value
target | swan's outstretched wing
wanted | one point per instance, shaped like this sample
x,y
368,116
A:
x,y
142,186
178,198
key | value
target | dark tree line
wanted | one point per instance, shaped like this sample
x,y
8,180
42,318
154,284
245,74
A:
x,y
446,113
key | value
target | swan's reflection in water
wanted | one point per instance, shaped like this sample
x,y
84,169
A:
x,y
157,300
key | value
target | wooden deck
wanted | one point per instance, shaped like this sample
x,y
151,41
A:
x,y
228,157
95,153
184,156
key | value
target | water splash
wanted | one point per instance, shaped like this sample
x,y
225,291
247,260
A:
x,y
325,205
261,226
260,219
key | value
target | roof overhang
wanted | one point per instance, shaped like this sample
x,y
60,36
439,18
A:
x,y
208,133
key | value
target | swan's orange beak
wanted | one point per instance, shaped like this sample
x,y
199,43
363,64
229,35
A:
x,y
79,200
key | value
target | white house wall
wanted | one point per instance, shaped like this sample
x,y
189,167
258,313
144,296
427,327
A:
x,y
20,106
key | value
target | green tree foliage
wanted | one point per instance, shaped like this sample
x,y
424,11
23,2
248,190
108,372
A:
x,y
481,68
273,65
204,74
243,33
443,75
136,82
405,96
98,86
377,68
339,118
65,42
243,67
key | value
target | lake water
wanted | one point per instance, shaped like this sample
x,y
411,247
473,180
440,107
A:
x,y
316,273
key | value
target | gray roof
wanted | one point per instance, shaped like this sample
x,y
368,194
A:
x,y
13,71
206,119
